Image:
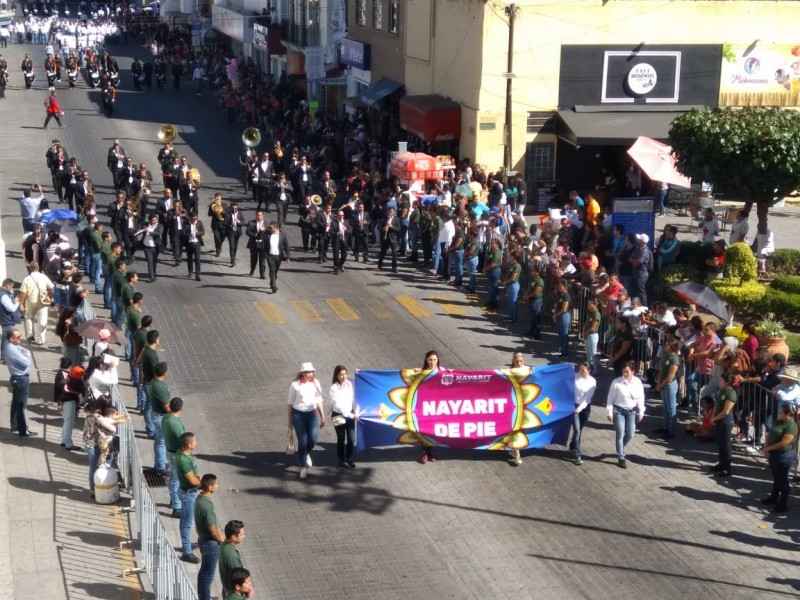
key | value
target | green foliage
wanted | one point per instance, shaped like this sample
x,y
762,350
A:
x,y
771,328
675,274
692,253
743,297
740,263
793,341
786,283
736,331
752,151
784,305
784,261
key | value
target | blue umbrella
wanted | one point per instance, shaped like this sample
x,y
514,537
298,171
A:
x,y
58,215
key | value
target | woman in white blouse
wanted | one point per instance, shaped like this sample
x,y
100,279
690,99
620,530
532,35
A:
x,y
585,386
306,414
342,416
625,407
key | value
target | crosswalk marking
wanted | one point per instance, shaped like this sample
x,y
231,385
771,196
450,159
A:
x,y
342,310
413,306
271,313
448,306
306,311
377,308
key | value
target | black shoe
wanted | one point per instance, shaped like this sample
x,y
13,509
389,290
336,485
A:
x,y
274,290
29,433
779,508
73,449
768,501
176,513
669,436
198,278
251,272
162,472
190,558
717,468
351,464
684,404
661,430
622,463
342,465
724,473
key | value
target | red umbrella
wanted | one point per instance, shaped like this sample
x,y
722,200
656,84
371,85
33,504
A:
x,y
657,161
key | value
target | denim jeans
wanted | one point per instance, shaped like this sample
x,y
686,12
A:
x,y
107,289
494,287
306,428
85,254
149,427
457,266
535,307
413,239
437,255
119,314
592,357
96,270
187,499
209,553
722,434
512,293
94,455
68,412
129,345
780,463
20,387
159,449
662,199
472,266
669,397
624,427
174,484
136,374
578,421
562,324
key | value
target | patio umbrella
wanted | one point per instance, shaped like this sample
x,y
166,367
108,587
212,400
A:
x,y
657,161
60,220
703,296
92,327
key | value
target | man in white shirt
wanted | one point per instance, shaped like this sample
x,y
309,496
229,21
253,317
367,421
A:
x,y
28,205
36,295
197,78
740,228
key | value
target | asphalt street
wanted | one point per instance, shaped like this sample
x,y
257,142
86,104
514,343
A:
x,y
468,526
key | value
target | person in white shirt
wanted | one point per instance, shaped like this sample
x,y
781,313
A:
x,y
342,394
518,365
585,386
104,376
197,77
306,414
35,295
765,245
625,405
740,228
709,227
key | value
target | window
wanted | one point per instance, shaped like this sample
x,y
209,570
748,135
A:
x,y
540,161
361,12
394,16
377,14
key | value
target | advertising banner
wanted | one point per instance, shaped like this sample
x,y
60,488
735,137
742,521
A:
x,y
760,75
500,409
315,63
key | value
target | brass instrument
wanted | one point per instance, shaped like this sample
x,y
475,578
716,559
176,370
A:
x,y
316,199
167,133
331,197
278,151
136,206
193,175
251,137
219,210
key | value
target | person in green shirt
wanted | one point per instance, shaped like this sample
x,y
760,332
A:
x,y
724,401
105,253
493,267
139,344
472,258
425,224
779,450
173,428
242,584
117,281
133,318
158,394
437,224
230,557
511,284
590,332
209,537
456,256
667,386
562,316
534,296
128,289
621,345
189,483
148,360
96,261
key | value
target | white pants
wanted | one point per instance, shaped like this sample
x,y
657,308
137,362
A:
x,y
36,322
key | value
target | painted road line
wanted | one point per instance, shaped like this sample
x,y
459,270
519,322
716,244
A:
x,y
342,309
377,308
448,306
413,306
271,313
306,311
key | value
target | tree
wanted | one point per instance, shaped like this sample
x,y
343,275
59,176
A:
x,y
752,151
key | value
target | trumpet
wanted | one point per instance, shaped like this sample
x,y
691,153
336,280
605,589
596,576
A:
x,y
167,133
316,199
251,137
277,150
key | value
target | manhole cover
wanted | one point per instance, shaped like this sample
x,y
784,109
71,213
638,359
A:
x,y
154,478
379,284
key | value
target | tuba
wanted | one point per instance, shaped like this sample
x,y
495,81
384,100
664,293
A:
x,y
218,210
316,200
193,176
251,137
167,133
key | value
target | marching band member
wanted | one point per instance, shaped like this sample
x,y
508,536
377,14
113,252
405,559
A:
x,y
257,234
193,232
176,219
282,195
216,214
233,230
151,243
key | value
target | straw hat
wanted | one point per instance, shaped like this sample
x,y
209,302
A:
x,y
790,374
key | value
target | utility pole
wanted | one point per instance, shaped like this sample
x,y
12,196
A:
x,y
510,11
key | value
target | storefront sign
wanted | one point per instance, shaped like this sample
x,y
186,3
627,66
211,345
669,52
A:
x,y
315,63
260,37
764,75
355,54
642,79
547,195
487,125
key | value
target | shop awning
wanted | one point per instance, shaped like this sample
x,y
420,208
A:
x,y
379,90
583,126
433,118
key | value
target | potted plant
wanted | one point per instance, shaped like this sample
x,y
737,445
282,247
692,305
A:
x,y
772,337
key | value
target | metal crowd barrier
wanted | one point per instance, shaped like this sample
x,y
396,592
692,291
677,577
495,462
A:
x,y
159,560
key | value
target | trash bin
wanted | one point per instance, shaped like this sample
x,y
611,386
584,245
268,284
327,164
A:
x,y
106,488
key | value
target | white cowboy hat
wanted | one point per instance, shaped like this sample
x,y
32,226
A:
x,y
791,374
306,366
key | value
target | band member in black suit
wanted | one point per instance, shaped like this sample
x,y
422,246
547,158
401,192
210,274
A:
x,y
125,176
359,223
176,219
216,214
84,190
265,175
308,224
257,231
70,180
282,196
324,223
246,160
252,174
277,250
165,155
327,187
172,175
164,206
339,232
234,221
390,238
186,186
129,225
115,161
193,232
114,215
58,169
303,179
151,244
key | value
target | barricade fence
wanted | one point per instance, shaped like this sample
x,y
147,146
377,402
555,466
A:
x,y
159,560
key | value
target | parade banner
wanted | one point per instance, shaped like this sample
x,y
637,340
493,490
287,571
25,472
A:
x,y
501,409
760,75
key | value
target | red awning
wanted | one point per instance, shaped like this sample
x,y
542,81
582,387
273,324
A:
x,y
411,166
432,118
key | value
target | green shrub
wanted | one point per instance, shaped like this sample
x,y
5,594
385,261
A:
x,y
784,262
786,283
740,263
784,305
744,297
692,253
674,274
